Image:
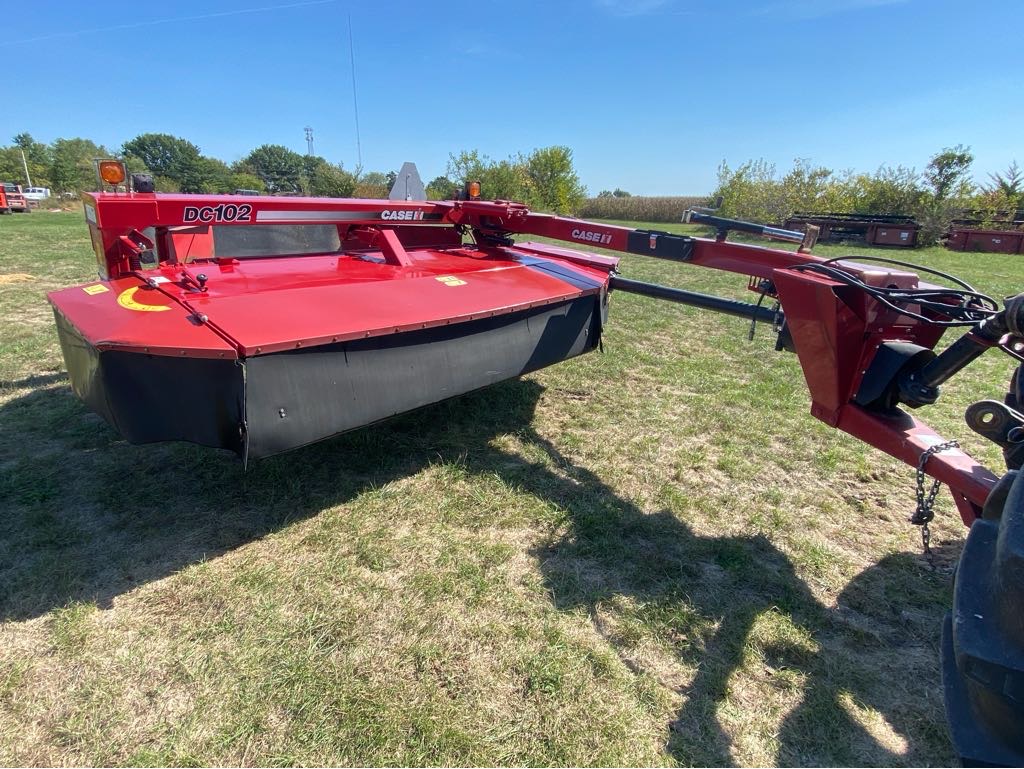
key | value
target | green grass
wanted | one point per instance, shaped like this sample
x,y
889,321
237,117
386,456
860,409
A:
x,y
650,556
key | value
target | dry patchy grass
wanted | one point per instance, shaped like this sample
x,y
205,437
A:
x,y
651,556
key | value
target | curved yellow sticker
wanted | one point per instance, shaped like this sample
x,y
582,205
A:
x,y
127,300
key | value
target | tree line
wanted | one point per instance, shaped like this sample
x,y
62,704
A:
x,y
545,179
934,197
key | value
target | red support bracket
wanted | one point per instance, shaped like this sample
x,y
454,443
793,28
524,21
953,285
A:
x,y
388,243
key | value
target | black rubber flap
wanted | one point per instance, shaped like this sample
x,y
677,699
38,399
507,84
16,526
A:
x,y
300,396
150,398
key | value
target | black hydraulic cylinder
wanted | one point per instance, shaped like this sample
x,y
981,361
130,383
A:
x,y
722,224
694,299
972,344
921,387
951,360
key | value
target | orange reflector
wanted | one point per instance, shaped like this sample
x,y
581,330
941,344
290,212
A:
x,y
473,188
112,172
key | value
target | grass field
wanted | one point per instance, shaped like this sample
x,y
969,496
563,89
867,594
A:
x,y
650,556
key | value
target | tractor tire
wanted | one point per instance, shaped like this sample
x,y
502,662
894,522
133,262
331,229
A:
x,y
983,639
1015,397
1014,453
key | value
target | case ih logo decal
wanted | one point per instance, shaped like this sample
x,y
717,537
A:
x,y
401,216
225,212
591,237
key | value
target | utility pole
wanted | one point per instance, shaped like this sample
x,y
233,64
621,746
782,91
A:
x,y
309,141
24,164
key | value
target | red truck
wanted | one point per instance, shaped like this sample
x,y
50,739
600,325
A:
x,y
12,198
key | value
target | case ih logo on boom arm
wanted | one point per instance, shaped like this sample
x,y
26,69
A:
x,y
591,237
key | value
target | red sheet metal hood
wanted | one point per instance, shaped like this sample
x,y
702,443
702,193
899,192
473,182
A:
x,y
263,305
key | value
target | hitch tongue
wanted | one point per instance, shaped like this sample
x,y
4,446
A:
x,y
1001,425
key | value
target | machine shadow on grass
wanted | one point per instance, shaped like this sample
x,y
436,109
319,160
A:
x,y
704,595
92,517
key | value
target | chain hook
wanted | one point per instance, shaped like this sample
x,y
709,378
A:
x,y
926,501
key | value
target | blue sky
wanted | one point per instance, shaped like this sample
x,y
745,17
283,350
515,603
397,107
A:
x,y
651,95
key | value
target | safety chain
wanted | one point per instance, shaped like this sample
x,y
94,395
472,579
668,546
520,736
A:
x,y
924,513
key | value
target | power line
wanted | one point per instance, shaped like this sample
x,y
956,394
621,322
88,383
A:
x,y
154,22
355,102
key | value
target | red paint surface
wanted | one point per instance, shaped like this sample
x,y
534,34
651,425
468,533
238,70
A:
x,y
109,326
261,305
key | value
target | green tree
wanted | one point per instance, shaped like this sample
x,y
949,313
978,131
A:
x,y
499,180
947,178
73,169
441,188
1009,184
372,184
889,190
749,191
165,184
947,173
10,164
38,158
803,188
755,192
207,175
545,179
374,178
323,179
554,185
331,181
309,164
506,180
246,181
280,169
467,166
166,155
135,165
620,193
1006,191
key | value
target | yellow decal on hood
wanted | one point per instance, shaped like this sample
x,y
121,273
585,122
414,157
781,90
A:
x,y
127,300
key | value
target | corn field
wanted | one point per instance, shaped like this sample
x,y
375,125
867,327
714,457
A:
x,y
639,208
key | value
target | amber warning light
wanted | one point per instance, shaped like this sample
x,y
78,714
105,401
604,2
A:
x,y
112,172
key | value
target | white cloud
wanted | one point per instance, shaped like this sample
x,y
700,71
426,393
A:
x,y
815,9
